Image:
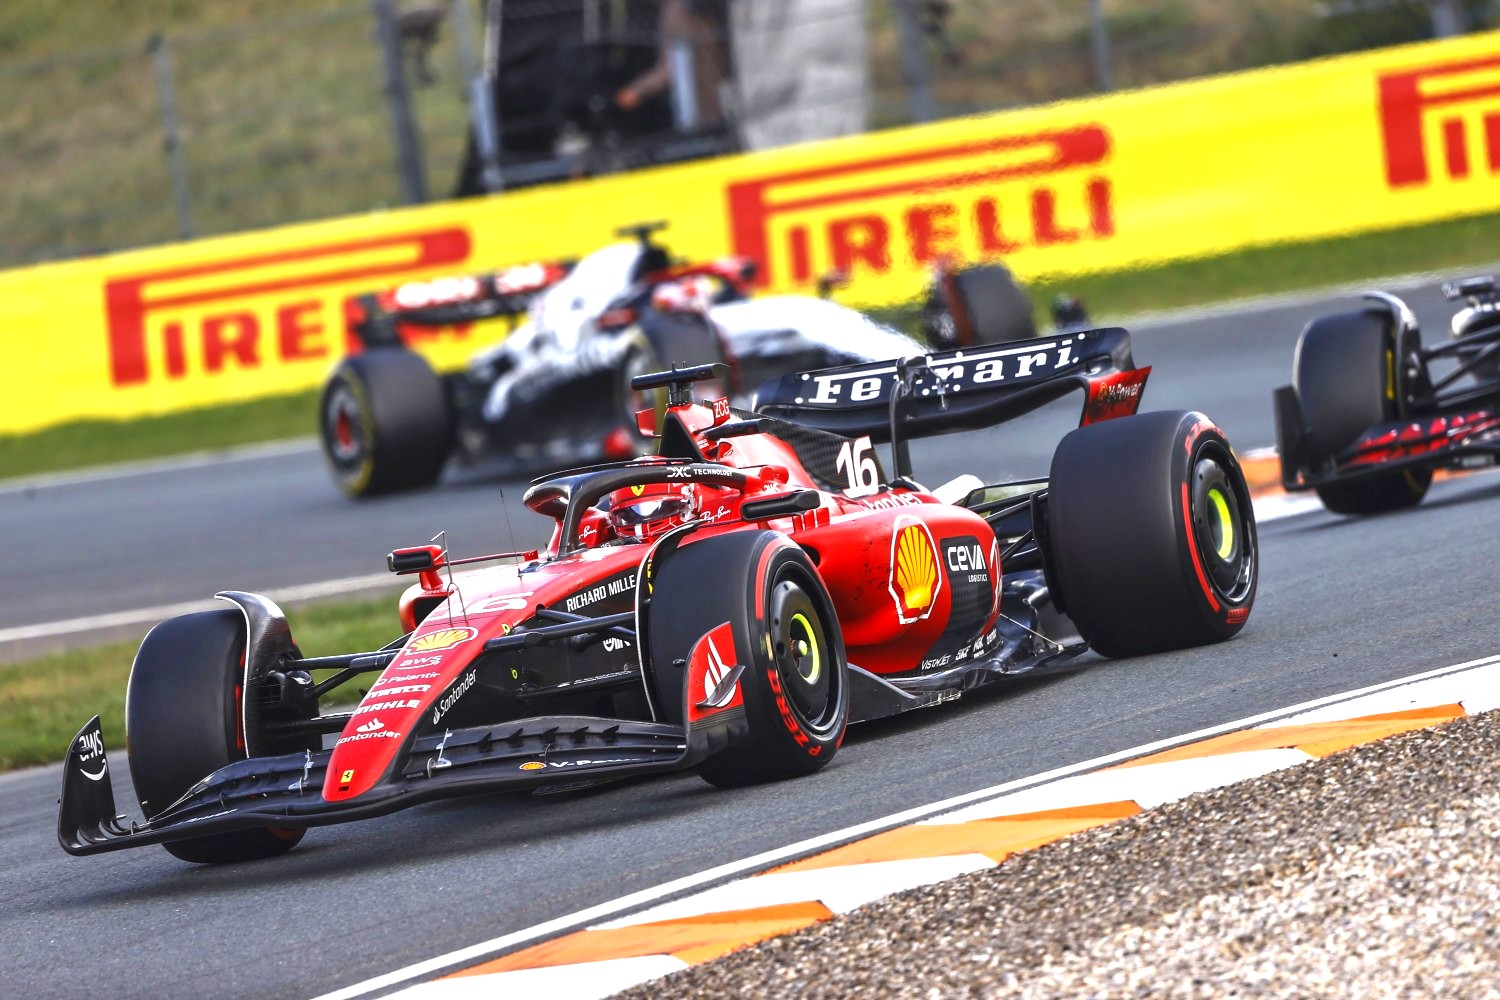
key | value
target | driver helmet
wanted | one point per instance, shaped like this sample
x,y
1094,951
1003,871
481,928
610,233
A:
x,y
644,512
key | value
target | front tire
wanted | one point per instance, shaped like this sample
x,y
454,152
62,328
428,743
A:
x,y
183,722
795,686
385,423
1345,373
1151,536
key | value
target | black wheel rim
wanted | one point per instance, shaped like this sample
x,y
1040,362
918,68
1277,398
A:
x,y
1221,524
804,658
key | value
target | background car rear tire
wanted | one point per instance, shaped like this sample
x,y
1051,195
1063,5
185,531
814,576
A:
x,y
182,723
1345,376
1151,541
640,360
997,307
385,423
795,687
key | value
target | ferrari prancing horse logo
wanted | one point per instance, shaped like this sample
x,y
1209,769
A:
x,y
916,580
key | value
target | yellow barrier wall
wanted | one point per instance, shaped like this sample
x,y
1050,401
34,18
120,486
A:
x,y
1394,137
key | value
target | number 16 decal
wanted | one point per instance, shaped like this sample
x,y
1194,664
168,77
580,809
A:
x,y
857,464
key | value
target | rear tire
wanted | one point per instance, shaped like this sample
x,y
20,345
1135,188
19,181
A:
x,y
385,423
1151,537
795,686
997,307
182,723
1345,375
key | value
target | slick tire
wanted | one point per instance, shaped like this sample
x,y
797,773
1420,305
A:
x,y
182,723
1345,372
385,423
1150,537
997,308
795,686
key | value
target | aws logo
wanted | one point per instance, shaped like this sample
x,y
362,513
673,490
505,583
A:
x,y
915,580
442,639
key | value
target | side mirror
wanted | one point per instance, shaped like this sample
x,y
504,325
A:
x,y
418,559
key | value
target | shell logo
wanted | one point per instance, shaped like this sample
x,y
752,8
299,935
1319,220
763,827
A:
x,y
532,765
916,579
637,490
442,639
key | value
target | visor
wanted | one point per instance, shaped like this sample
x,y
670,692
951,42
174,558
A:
x,y
648,509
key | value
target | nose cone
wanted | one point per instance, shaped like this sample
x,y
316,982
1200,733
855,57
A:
x,y
390,712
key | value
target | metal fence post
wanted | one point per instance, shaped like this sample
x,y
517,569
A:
x,y
1447,18
1099,36
914,67
166,96
403,125
481,95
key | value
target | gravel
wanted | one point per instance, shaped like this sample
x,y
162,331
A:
x,y
1372,873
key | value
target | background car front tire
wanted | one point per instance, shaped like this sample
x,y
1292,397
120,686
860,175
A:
x,y
1345,375
385,423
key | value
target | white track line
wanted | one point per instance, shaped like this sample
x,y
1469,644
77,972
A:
x,y
595,914
154,466
141,616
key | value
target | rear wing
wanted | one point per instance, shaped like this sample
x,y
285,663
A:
x,y
375,318
965,389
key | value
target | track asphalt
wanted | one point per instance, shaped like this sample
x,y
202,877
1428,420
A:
x,y
1343,604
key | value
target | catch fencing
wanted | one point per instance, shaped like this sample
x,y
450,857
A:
x,y
344,106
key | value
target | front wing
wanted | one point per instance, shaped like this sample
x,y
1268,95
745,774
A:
x,y
1467,438
286,791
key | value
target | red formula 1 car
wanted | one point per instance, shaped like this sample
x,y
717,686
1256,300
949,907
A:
x,y
1371,412
729,604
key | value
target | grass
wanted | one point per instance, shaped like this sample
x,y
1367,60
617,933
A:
x,y
94,442
280,103
1452,245
44,702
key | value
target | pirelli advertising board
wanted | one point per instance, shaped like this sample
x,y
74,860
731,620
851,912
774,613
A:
x,y
1381,139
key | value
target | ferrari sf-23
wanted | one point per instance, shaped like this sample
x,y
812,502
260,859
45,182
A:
x,y
557,391
729,604
1371,412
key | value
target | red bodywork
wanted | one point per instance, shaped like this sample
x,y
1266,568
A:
x,y
915,584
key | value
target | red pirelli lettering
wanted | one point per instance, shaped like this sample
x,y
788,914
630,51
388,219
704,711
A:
x,y
1409,98
232,335
772,213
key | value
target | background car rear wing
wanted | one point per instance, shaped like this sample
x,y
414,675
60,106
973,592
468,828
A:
x,y
374,318
965,389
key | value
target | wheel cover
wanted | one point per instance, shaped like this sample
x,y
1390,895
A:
x,y
806,649
1221,525
1220,516
800,649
